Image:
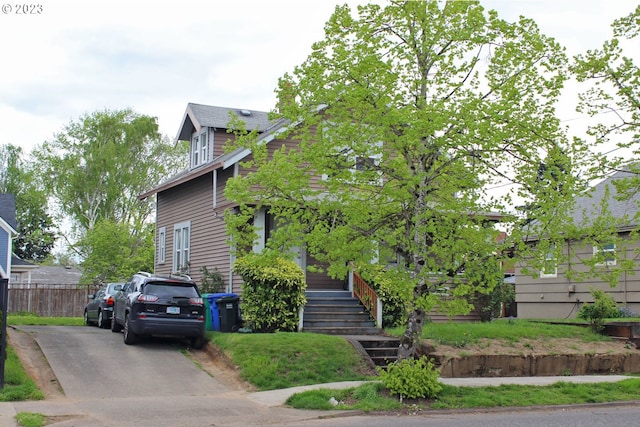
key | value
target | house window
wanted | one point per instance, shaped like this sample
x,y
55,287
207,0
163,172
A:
x,y
195,150
162,245
550,265
605,254
199,148
204,148
181,246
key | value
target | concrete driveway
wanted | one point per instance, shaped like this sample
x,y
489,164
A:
x,y
107,383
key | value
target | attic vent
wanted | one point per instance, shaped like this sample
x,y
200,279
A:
x,y
246,113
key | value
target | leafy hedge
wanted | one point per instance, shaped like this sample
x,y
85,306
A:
x,y
272,292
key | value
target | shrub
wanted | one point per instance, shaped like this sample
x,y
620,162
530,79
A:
x,y
390,292
603,307
212,281
411,378
489,306
272,292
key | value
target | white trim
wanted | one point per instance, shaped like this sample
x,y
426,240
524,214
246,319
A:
x,y
162,245
215,188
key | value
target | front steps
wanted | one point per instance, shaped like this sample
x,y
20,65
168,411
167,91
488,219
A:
x,y
381,350
336,313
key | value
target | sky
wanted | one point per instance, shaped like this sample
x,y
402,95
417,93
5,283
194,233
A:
x,y
63,59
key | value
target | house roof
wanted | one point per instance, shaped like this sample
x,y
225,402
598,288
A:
x,y
8,211
590,205
268,131
18,264
198,116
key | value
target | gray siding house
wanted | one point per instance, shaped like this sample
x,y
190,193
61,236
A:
x,y
566,281
190,207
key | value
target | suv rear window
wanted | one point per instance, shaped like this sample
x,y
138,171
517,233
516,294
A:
x,y
170,290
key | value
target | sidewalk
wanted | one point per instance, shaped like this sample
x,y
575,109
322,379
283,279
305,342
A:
x,y
277,398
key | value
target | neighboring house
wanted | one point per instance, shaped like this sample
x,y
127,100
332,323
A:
x,y
552,293
8,226
21,270
190,207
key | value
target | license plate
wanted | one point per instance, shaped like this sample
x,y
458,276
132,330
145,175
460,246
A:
x,y
173,310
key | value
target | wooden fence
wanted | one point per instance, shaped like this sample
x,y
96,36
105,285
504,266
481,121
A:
x,y
49,300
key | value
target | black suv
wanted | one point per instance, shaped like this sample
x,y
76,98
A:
x,y
155,305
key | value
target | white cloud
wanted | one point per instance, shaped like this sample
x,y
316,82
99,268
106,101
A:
x,y
77,57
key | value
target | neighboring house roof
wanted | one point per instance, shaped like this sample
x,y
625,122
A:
x,y
20,264
198,116
590,205
8,211
55,275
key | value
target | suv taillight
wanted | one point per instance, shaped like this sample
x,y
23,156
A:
x,y
147,298
196,301
110,300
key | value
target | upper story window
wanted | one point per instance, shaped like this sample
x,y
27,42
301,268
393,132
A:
x,y
605,254
199,148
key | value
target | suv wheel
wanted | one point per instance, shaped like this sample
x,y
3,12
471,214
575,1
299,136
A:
x,y
129,336
115,326
197,342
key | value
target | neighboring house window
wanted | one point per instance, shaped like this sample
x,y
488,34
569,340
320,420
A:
x,y
204,147
605,254
162,245
181,246
550,266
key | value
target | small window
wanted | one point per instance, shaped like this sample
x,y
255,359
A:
x,y
605,254
550,265
162,245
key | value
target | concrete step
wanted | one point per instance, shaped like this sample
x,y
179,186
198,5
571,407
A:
x,y
381,351
336,314
332,301
328,294
343,330
338,322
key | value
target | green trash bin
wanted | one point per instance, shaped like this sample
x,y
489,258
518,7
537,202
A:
x,y
228,310
207,310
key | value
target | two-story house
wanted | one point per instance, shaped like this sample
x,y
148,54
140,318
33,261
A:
x,y
190,207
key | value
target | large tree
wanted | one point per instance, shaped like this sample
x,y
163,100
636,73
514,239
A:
x,y
612,74
97,166
36,236
420,123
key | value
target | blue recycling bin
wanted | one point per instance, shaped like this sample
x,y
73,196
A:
x,y
213,307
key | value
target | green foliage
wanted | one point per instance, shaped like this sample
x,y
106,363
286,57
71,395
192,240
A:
x,y
392,291
30,419
112,252
211,282
396,156
272,291
96,167
489,305
412,378
18,385
36,237
603,307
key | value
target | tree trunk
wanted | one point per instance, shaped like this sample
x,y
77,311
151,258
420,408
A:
x,y
411,338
